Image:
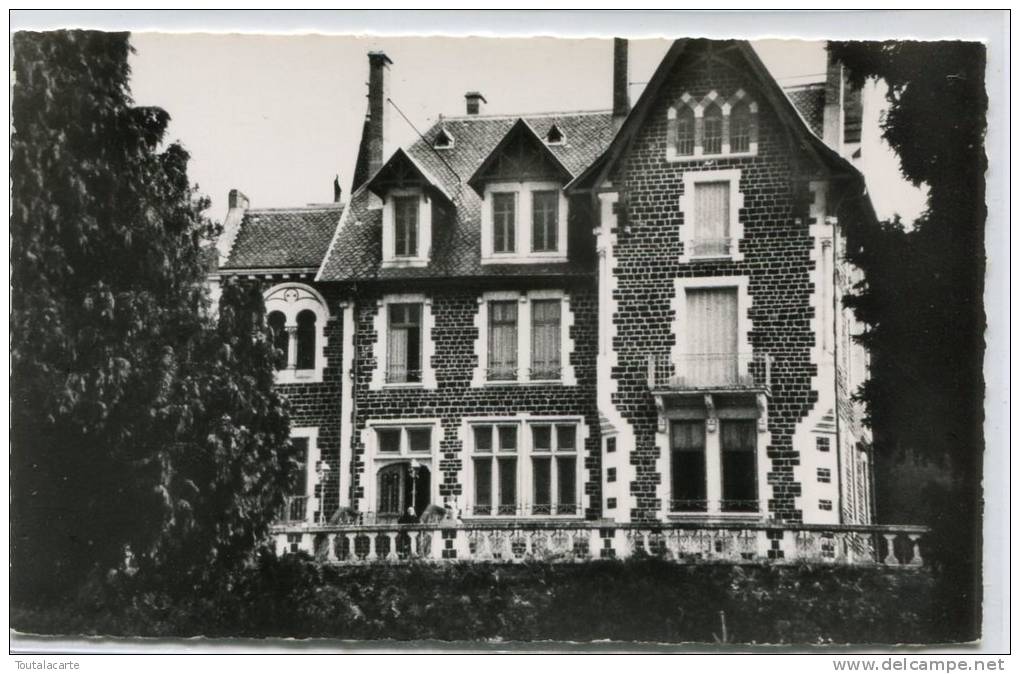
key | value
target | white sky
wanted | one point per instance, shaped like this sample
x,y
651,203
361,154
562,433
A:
x,y
278,116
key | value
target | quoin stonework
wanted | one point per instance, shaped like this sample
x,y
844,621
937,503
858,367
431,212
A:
x,y
581,333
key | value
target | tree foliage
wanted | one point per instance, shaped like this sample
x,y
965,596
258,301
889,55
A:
x,y
138,422
922,293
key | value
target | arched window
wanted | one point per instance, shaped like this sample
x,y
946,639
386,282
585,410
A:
x,y
297,317
306,340
278,335
713,135
685,131
740,127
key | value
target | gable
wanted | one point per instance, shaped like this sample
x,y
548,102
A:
x,y
520,156
730,64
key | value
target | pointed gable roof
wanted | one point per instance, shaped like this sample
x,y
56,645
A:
x,y
521,136
788,114
401,170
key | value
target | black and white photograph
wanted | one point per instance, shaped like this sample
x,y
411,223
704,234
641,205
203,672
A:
x,y
327,338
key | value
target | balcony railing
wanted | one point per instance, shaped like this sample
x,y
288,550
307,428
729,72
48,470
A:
x,y
710,371
679,542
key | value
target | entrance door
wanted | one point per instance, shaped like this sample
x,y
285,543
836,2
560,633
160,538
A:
x,y
401,486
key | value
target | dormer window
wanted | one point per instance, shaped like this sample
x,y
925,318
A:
x,y
409,197
524,222
554,136
443,140
405,226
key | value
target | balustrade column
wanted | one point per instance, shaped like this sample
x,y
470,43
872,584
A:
x,y
890,556
915,542
351,554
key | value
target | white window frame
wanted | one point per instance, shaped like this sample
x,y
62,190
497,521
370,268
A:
x,y
376,460
699,107
524,334
687,207
525,451
380,349
713,448
291,299
523,253
390,259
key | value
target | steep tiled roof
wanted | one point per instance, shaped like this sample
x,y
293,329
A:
x,y
809,99
284,238
356,250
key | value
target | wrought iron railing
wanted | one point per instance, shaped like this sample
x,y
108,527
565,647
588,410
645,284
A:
x,y
578,541
725,505
400,375
706,371
501,373
550,372
710,247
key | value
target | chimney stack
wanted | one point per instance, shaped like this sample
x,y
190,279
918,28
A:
x,y
337,190
832,112
378,92
621,97
237,204
474,102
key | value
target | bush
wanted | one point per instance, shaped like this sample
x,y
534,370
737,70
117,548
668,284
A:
x,y
634,600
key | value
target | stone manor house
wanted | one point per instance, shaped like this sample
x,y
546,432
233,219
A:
x,y
582,334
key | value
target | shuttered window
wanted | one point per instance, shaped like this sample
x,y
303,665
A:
x,y
405,226
504,222
711,358
502,340
545,339
404,344
712,218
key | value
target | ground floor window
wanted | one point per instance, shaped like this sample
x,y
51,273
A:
x,y
713,465
524,467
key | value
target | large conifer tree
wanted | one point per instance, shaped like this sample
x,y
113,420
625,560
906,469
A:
x,y
138,423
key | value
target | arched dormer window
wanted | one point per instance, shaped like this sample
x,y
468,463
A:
x,y
712,138
685,132
297,315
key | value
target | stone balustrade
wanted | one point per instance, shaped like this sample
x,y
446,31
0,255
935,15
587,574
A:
x,y
681,542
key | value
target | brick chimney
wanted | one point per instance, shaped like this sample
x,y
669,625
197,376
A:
x,y
237,204
474,100
621,97
375,132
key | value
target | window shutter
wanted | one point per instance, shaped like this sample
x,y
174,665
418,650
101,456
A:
x,y
712,217
711,357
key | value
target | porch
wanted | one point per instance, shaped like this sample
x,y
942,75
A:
x,y
574,542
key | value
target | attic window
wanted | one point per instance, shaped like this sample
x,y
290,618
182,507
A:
x,y
554,136
443,140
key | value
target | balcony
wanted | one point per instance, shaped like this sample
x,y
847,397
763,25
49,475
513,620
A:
x,y
574,542
710,372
